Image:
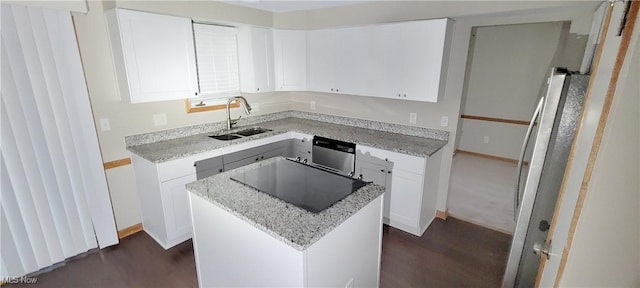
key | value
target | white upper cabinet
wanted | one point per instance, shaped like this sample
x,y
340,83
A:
x,y
320,60
404,60
411,59
255,47
290,59
338,60
154,56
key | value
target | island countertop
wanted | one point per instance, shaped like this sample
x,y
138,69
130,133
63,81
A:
x,y
292,225
167,150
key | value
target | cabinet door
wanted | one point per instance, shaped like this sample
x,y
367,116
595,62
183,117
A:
x,y
176,209
424,66
321,58
378,171
158,56
387,79
339,60
352,60
263,59
411,59
255,47
290,60
405,200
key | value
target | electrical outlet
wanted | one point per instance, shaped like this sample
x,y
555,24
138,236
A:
x,y
486,139
444,121
312,105
160,119
349,284
255,107
413,117
104,124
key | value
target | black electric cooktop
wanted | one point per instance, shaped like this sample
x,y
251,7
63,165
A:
x,y
306,186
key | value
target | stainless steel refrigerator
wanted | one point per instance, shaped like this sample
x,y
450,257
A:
x,y
554,124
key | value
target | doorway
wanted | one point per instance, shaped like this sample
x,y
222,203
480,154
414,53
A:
x,y
506,71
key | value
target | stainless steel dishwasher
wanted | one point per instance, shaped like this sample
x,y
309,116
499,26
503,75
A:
x,y
335,154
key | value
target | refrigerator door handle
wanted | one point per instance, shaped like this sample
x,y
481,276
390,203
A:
x,y
516,197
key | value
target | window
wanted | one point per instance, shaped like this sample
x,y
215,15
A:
x,y
217,61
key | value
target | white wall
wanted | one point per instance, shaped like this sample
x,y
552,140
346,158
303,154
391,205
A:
x,y
495,89
127,119
606,246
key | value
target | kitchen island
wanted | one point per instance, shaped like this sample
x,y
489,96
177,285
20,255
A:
x,y
244,237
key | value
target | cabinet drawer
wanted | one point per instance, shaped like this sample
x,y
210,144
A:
x,y
251,152
254,158
209,167
181,167
400,161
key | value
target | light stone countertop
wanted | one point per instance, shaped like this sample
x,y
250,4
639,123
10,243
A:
x,y
168,150
292,225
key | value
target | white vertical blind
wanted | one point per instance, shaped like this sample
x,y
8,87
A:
x,y
55,202
217,60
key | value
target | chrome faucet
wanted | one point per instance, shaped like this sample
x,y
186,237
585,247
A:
x,y
243,103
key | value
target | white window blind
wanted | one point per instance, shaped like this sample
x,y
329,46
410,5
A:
x,y
217,59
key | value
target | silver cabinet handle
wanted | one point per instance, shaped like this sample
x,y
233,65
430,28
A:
x,y
516,197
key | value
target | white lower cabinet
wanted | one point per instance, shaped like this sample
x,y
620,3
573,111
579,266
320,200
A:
x,y
404,204
378,171
175,202
230,252
164,204
412,186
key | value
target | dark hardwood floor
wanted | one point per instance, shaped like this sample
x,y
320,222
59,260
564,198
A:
x,y
451,253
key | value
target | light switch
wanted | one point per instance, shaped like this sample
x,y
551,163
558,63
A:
x,y
255,107
104,124
312,105
160,119
444,121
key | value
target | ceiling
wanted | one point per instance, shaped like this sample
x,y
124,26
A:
x,y
288,6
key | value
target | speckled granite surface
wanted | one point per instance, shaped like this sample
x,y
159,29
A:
x,y
288,223
146,138
190,144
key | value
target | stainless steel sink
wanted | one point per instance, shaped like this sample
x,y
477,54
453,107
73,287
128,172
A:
x,y
240,134
225,137
252,131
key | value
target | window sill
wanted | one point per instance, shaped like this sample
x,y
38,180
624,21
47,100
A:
x,y
193,109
